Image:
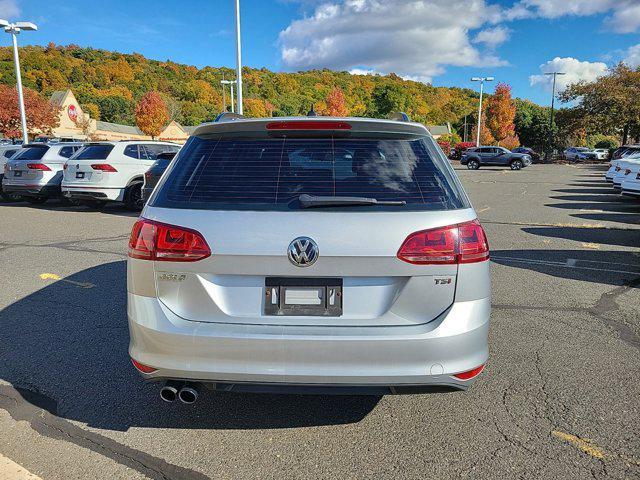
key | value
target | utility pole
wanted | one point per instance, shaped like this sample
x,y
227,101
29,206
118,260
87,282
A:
x,y
238,58
481,80
553,98
14,29
224,95
464,132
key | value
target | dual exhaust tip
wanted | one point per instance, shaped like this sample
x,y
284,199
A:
x,y
185,392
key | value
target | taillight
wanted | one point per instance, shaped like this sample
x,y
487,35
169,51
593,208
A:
x,y
468,375
103,167
147,174
38,166
64,167
168,243
463,243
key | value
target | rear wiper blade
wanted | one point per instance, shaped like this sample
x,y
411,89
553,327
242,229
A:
x,y
310,201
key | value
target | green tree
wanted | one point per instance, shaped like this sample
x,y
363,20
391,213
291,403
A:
x,y
388,98
532,124
115,109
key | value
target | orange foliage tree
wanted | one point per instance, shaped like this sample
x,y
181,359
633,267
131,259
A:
x,y
485,134
42,116
501,112
336,105
151,114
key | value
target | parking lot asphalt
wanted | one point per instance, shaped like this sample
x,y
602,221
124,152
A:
x,y
560,397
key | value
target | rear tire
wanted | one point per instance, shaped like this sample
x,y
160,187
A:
x,y
36,200
133,199
516,165
473,164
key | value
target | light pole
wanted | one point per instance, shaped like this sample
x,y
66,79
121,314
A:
x,y
481,80
230,83
14,29
553,98
238,59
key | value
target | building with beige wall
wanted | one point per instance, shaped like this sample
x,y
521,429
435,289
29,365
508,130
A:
x,y
78,125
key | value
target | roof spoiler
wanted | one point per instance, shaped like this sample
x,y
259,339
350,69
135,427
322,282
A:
x,y
399,117
229,117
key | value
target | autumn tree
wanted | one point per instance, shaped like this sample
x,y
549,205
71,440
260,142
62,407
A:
x,y
500,113
335,104
256,108
42,116
486,138
151,114
609,104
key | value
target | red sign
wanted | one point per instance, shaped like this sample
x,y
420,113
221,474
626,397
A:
x,y
72,111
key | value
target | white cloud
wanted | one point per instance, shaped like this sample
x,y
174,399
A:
x,y
574,70
624,14
8,9
632,56
416,39
492,37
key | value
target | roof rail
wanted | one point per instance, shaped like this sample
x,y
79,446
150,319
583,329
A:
x,y
229,117
399,117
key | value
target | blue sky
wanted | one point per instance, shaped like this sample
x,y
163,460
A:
x,y
439,41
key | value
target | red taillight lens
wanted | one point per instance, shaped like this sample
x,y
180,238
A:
x,y
464,243
158,241
147,174
142,367
38,166
308,125
103,167
469,374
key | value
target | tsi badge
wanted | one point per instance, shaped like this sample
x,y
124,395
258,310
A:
x,y
303,252
443,281
171,277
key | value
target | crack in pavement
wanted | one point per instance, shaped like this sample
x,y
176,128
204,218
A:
x,y
40,412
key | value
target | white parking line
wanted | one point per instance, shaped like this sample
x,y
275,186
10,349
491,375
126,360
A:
x,y
571,263
10,470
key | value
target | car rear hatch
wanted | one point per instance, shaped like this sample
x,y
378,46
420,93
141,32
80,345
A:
x,y
89,167
243,193
27,167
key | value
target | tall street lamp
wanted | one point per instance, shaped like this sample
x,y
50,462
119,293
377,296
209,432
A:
x,y
553,98
481,80
238,58
230,83
14,29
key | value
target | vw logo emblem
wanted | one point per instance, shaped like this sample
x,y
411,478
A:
x,y
303,252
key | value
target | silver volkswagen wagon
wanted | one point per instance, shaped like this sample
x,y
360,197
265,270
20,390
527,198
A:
x,y
309,255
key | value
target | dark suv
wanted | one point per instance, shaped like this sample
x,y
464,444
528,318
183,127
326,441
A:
x,y
475,157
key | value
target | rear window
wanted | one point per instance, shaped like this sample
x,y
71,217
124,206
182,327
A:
x,y
31,153
94,152
271,173
9,153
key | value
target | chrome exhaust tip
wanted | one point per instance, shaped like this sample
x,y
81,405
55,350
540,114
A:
x,y
189,393
169,392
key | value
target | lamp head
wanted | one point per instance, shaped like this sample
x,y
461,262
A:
x,y
26,26
3,23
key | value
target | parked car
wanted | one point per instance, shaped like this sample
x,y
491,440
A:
x,y
241,272
631,185
111,171
601,153
616,165
625,151
35,172
572,153
154,173
535,157
7,150
474,158
628,169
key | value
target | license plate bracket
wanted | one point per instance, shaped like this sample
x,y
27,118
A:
x,y
289,296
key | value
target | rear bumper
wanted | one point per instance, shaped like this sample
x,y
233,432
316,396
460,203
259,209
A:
x,y
89,193
290,356
31,190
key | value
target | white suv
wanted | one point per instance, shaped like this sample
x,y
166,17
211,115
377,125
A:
x,y
35,172
111,171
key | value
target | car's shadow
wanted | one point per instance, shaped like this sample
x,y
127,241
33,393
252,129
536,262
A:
x,y
57,205
66,345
